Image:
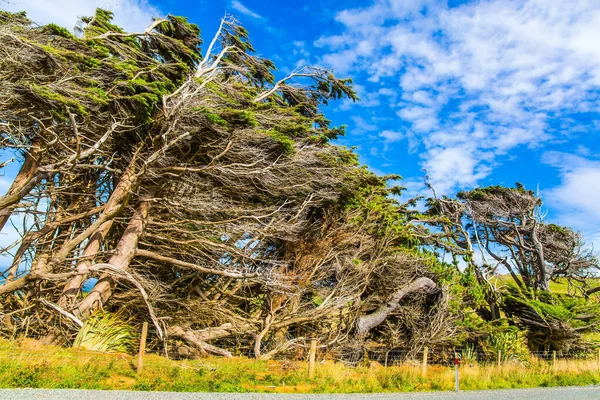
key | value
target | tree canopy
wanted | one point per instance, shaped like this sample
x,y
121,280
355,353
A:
x,y
200,193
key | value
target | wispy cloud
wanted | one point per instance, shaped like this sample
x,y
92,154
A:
x,y
132,15
577,197
236,5
477,80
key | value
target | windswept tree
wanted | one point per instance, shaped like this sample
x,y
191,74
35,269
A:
x,y
505,227
195,191
497,230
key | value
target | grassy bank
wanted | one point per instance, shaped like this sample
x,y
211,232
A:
x,y
29,364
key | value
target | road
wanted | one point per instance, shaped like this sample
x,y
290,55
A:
x,y
570,393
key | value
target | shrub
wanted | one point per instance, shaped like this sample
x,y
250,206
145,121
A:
x,y
106,332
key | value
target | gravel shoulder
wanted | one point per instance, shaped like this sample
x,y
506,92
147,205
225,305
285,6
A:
x,y
566,393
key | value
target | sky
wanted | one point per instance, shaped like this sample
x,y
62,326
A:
x,y
470,93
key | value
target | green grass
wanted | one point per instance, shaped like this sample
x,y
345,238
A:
x,y
561,286
29,364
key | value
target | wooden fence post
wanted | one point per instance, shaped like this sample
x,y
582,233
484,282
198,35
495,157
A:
x,y
598,358
425,351
554,359
140,363
388,352
311,358
499,358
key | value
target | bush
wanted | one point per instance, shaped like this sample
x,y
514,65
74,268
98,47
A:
x,y
511,345
106,332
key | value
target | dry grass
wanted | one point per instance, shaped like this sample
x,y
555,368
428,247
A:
x,y
29,364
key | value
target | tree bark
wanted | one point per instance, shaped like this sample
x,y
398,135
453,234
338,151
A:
x,y
25,180
73,286
125,252
593,290
114,205
543,277
368,322
195,340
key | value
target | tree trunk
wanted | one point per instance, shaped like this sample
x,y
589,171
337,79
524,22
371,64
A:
x,y
212,333
368,322
73,286
114,205
543,277
24,182
195,340
125,252
259,337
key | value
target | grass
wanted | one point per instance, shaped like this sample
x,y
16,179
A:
x,y
30,364
561,286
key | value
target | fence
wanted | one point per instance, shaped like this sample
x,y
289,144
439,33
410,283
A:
x,y
306,350
409,366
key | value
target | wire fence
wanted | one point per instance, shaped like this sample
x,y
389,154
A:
x,y
382,357
299,350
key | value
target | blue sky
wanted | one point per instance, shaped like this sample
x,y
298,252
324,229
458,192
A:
x,y
475,92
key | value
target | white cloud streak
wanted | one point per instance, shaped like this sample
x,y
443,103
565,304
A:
x,y
236,5
577,197
477,80
131,15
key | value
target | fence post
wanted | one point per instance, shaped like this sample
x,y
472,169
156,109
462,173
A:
x,y
311,358
388,352
499,358
140,363
425,351
554,359
598,358
456,363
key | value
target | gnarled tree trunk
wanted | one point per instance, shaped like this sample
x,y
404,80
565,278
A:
x,y
25,180
368,322
125,252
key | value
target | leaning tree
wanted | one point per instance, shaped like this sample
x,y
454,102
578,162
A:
x,y
497,230
194,191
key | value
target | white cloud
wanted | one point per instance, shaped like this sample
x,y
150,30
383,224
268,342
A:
x,y
4,185
479,79
450,166
577,198
363,125
236,5
392,136
131,15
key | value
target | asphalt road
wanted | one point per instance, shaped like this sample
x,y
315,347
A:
x,y
570,393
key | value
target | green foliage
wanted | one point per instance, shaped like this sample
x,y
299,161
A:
x,y
100,23
496,190
343,156
550,319
106,332
468,354
18,18
187,44
214,118
98,95
287,144
474,292
54,29
509,342
58,99
239,118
